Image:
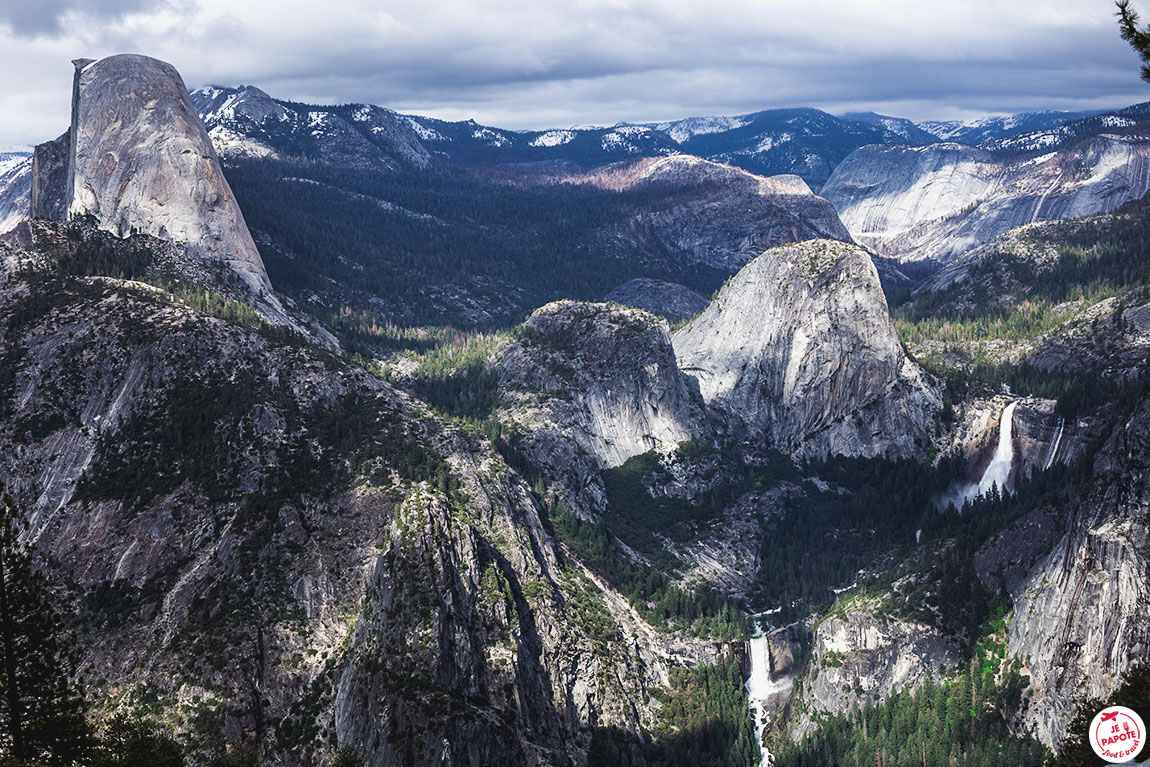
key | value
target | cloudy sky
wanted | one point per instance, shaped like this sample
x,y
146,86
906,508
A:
x,y
538,64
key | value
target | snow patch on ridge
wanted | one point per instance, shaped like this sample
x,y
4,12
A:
x,y
553,138
494,138
421,130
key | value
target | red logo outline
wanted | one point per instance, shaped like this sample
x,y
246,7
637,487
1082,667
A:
x,y
1126,738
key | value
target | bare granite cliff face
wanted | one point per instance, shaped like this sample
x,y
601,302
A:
x,y
50,166
799,349
138,159
859,656
941,200
1082,615
591,385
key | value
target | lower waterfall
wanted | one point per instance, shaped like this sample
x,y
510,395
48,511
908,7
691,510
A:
x,y
761,688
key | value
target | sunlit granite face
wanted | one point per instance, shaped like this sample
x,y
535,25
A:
x,y
140,160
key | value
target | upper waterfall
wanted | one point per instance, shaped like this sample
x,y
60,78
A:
x,y
998,470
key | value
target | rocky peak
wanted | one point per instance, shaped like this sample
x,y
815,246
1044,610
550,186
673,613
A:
x,y
799,349
138,159
246,102
613,369
247,122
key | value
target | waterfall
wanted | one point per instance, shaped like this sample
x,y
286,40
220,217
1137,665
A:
x,y
1054,444
996,473
758,685
761,687
999,469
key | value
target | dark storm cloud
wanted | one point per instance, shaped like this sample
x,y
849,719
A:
x,y
521,63
29,18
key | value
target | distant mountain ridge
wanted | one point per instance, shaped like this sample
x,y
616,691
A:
x,y
977,131
804,141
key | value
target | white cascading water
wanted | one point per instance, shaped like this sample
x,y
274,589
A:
x,y
996,473
1054,444
999,469
760,687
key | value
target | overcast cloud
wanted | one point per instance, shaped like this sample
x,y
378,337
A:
x,y
533,64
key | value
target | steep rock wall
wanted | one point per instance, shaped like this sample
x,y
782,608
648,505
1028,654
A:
x,y
799,349
592,385
1082,616
860,656
138,159
939,201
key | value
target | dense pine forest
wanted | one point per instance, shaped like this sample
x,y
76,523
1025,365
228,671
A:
x,y
959,721
445,233
703,722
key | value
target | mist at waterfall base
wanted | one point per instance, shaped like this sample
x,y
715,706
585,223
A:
x,y
997,472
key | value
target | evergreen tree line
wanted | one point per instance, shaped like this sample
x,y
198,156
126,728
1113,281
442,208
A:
x,y
452,225
703,722
879,514
959,721
1133,693
1076,393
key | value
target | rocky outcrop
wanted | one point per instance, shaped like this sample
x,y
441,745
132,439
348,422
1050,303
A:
x,y
1043,439
50,164
1082,615
859,656
15,190
798,349
1106,338
936,202
667,299
723,552
140,160
591,385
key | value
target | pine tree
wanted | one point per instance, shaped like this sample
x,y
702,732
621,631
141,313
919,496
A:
x,y
347,756
1138,38
134,742
41,709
